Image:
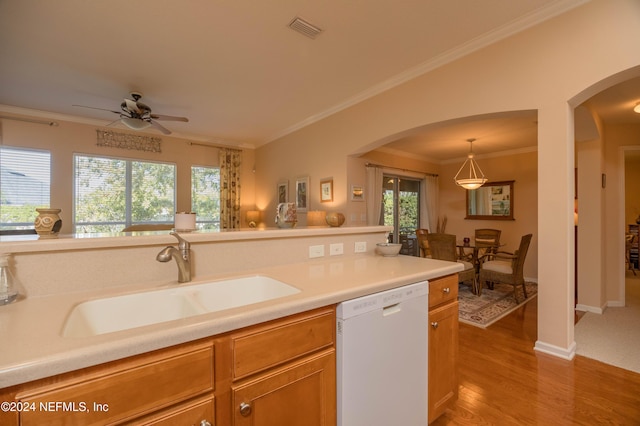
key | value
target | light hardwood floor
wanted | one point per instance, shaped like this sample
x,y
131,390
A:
x,y
503,381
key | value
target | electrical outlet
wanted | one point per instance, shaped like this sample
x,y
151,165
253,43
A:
x,y
360,247
336,249
316,251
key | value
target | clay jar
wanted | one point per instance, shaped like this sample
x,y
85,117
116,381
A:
x,y
48,223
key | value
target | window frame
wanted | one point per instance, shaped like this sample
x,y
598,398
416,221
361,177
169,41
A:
x,y
128,190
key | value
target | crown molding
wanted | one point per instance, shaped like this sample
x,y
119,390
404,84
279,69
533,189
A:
x,y
526,21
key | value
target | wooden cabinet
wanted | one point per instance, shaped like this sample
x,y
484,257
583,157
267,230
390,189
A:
x,y
282,372
153,388
443,344
303,393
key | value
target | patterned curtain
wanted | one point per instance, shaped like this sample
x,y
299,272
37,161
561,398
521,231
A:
x,y
230,161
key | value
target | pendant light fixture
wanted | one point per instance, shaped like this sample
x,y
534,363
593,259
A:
x,y
475,178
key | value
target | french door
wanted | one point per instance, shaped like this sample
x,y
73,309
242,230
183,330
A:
x,y
401,204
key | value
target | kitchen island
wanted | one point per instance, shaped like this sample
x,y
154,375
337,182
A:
x,y
31,328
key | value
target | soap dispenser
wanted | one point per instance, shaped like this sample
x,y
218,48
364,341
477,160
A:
x,y
8,285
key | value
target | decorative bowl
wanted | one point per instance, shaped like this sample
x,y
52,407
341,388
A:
x,y
389,249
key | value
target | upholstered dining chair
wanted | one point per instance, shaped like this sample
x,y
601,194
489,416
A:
x,y
505,267
423,244
443,247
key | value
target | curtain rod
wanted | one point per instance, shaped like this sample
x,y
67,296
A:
x,y
397,168
211,145
30,120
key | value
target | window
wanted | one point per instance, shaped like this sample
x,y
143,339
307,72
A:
x,y
111,193
25,182
205,197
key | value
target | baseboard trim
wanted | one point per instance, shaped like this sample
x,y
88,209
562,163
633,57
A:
x,y
587,308
557,351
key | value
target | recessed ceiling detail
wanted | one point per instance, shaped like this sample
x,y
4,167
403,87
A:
x,y
304,27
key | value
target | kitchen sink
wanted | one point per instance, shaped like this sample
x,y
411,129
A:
x,y
128,311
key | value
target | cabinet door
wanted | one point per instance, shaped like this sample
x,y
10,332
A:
x,y
302,394
197,413
443,358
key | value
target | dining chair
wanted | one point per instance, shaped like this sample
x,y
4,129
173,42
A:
x,y
423,244
505,267
443,247
487,241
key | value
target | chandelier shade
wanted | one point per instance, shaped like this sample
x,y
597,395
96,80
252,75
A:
x,y
135,123
472,178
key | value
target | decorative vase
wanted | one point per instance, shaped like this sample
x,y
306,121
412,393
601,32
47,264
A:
x,y
335,219
286,215
48,223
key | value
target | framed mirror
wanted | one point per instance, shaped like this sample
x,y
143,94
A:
x,y
492,201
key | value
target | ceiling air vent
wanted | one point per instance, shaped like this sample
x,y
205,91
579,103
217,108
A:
x,y
305,28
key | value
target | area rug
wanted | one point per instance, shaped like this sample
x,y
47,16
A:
x,y
482,311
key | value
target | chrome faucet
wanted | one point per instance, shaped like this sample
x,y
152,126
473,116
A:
x,y
182,255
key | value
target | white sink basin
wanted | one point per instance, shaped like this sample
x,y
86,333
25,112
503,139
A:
x,y
139,309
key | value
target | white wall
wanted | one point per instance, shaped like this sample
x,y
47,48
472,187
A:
x,y
550,68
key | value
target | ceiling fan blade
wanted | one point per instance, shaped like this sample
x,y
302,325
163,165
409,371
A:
x,y
169,118
101,109
161,128
114,122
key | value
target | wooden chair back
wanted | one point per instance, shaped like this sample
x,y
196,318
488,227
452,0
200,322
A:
x,y
442,246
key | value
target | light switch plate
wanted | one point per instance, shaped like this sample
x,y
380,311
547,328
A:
x,y
316,251
360,247
336,249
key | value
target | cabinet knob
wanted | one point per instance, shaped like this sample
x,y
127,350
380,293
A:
x,y
245,409
446,290
205,423
434,324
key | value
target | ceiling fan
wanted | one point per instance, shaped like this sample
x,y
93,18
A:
x,y
137,115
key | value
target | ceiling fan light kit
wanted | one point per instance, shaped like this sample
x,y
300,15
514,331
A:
x,y
475,178
137,116
135,123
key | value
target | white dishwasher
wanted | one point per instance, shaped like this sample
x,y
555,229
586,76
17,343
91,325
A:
x,y
382,349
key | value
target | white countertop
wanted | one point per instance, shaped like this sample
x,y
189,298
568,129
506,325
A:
x,y
30,329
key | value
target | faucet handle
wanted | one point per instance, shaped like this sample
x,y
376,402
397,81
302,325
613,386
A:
x,y
182,243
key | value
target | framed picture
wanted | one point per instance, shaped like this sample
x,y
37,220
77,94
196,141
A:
x,y
357,193
326,190
283,191
302,194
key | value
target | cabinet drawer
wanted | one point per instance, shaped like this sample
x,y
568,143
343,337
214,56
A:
x,y
197,413
443,290
123,390
278,342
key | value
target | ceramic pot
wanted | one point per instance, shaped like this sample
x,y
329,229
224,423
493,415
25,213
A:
x,y
48,223
286,216
335,219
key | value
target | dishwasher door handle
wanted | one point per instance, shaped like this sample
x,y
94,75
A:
x,y
391,309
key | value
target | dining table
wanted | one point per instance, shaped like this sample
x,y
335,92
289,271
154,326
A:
x,y
470,250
